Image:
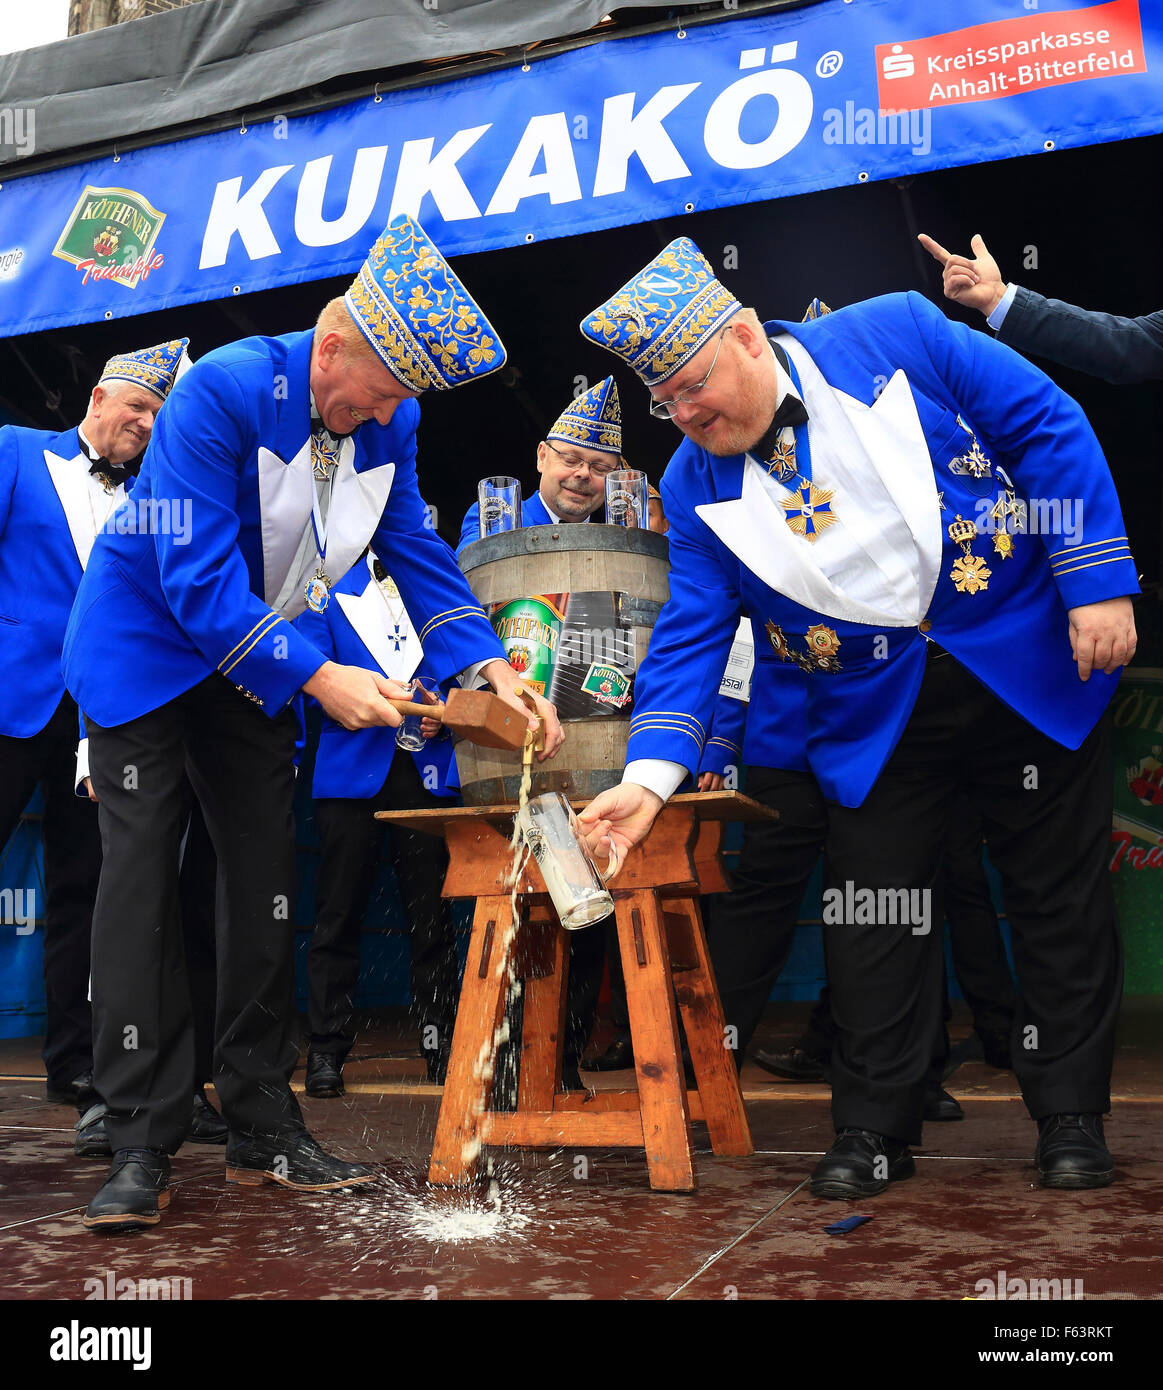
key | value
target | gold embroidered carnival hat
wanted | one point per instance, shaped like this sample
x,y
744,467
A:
x,y
658,320
593,420
417,315
155,368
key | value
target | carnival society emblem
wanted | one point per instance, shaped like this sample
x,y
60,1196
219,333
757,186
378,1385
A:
x,y
111,234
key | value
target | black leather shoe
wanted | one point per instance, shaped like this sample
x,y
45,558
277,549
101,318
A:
x,y
71,1092
324,1075
1072,1152
617,1057
206,1125
861,1163
294,1160
90,1139
940,1105
794,1065
135,1193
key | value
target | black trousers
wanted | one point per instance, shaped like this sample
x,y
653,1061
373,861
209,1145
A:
x,y
240,764
351,840
979,955
1046,813
72,865
199,907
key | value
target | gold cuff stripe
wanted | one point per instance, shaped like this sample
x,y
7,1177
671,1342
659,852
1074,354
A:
x,y
666,724
264,633
1082,549
1091,564
674,714
272,615
724,743
454,616
1090,555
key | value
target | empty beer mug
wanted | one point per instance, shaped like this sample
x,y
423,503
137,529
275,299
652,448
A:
x,y
408,735
499,502
626,498
549,827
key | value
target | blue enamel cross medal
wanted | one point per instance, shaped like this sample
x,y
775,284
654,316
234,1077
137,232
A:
x,y
813,513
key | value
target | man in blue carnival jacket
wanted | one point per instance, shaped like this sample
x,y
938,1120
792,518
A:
x,y
583,445
356,774
57,491
893,499
289,456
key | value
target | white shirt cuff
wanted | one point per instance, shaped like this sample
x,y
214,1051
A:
x,y
998,317
656,775
82,768
470,678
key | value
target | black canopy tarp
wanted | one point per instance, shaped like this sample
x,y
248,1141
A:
x,y
217,56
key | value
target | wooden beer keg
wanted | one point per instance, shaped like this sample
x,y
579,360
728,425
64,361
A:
x,y
575,606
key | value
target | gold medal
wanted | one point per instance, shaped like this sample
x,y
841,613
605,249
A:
x,y
813,513
783,461
970,574
324,454
1003,543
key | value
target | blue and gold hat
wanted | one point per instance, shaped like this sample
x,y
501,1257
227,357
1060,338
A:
x,y
658,320
155,368
418,316
593,420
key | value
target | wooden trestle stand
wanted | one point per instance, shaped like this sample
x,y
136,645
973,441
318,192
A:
x,y
664,958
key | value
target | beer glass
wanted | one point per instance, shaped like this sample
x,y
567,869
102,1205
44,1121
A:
x,y
408,735
499,502
549,827
627,498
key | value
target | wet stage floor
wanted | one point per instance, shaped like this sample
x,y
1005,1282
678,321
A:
x,y
580,1224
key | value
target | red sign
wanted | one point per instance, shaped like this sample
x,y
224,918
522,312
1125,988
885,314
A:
x,y
1010,56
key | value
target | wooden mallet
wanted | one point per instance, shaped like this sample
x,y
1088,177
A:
x,y
477,715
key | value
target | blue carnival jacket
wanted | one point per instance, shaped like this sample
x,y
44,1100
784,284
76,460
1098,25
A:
x,y
941,387
47,529
158,612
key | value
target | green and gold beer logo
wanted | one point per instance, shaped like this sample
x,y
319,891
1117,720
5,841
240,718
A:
x,y
110,235
529,629
607,685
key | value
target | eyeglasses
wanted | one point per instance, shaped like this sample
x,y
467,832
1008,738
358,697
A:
x,y
599,470
665,410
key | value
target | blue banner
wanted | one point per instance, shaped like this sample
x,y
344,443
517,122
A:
x,y
627,130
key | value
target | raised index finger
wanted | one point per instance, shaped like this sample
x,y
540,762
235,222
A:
x,y
934,248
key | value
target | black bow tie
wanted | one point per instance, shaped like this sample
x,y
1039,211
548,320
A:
x,y
791,411
117,473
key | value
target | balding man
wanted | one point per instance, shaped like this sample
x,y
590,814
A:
x,y
292,454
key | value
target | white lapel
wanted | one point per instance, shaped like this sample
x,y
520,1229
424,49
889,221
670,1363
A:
x,y
70,478
284,498
754,528
286,494
357,503
369,617
894,439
